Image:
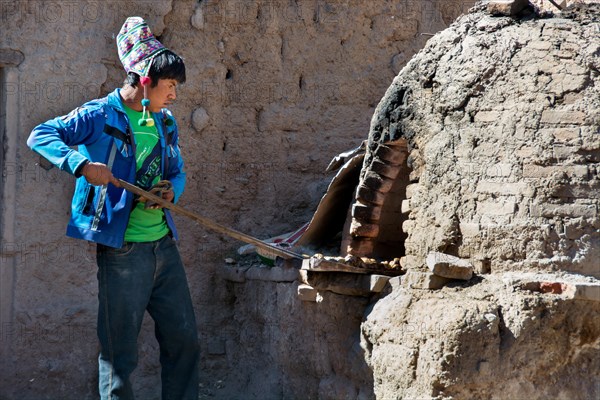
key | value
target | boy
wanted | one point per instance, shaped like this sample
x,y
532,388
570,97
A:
x,y
131,135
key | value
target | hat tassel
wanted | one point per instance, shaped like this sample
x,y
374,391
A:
x,y
146,119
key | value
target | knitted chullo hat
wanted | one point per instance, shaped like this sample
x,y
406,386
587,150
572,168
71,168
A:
x,y
137,48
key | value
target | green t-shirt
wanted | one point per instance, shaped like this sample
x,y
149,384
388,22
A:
x,y
145,225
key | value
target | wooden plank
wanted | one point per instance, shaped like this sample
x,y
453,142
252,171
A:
x,y
323,265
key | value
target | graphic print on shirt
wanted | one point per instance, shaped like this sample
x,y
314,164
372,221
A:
x,y
147,160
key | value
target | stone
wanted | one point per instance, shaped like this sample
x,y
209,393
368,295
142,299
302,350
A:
x,y
563,134
378,282
423,280
200,119
482,265
505,188
343,283
405,206
526,152
578,191
583,291
538,171
562,152
410,262
496,207
308,293
506,7
395,282
448,266
469,229
411,190
498,170
487,116
542,45
567,210
563,117
408,225
197,19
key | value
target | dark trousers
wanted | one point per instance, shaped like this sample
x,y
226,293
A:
x,y
139,277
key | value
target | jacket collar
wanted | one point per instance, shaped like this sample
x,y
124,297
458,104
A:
x,y
114,100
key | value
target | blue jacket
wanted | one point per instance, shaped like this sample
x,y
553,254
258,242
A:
x,y
101,131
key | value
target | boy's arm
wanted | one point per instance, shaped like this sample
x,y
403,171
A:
x,y
52,139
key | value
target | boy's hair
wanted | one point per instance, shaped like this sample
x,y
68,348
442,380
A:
x,y
166,65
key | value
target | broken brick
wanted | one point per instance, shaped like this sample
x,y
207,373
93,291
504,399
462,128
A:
x,y
390,155
423,280
506,7
366,212
378,182
383,169
449,266
368,195
551,287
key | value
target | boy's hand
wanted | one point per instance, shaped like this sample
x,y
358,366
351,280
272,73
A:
x,y
162,189
99,174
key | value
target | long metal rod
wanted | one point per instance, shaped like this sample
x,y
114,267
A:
x,y
211,224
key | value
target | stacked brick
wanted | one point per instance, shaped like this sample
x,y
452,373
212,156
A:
x,y
371,195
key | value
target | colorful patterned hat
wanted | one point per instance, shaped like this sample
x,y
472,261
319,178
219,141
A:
x,y
137,46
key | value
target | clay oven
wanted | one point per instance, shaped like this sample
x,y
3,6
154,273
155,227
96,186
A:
x,y
486,147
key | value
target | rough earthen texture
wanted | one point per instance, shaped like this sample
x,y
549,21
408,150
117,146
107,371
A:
x,y
280,347
486,341
501,118
274,89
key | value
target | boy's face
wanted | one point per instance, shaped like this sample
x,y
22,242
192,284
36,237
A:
x,y
162,95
